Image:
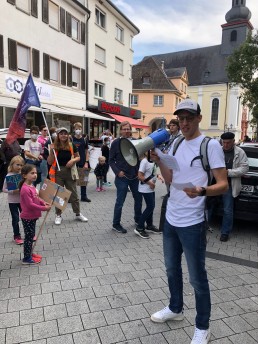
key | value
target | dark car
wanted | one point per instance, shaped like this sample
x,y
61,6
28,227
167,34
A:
x,y
246,204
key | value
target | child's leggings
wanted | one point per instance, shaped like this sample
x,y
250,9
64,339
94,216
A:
x,y
29,231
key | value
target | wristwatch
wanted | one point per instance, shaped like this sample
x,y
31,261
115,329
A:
x,y
203,192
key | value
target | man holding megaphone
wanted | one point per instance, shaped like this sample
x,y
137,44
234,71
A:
x,y
185,229
126,176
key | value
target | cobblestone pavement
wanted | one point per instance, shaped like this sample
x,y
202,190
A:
x,y
95,286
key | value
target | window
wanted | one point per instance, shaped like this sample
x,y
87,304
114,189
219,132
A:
x,y
176,101
118,96
100,18
119,64
76,77
119,33
23,58
23,5
53,15
146,79
215,111
54,70
100,55
233,36
75,29
99,90
158,100
134,99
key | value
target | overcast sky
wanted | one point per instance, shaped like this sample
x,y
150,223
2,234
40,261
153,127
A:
x,y
175,25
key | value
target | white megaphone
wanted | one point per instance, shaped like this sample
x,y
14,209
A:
x,y
132,150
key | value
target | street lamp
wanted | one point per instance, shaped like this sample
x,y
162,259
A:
x,y
227,128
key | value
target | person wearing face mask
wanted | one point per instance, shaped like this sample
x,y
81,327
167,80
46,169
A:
x,y
53,134
83,165
33,151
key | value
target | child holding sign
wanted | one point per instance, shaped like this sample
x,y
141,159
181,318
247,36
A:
x,y
32,206
10,187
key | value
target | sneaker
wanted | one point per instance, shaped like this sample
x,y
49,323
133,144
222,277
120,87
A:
x,y
201,336
141,232
58,220
30,261
109,184
81,218
166,314
85,199
36,256
119,229
18,240
224,237
102,189
105,184
98,189
153,229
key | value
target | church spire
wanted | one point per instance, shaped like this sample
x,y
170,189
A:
x,y
239,11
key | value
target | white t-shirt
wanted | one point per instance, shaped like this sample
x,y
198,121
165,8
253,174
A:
x,y
183,211
34,148
146,167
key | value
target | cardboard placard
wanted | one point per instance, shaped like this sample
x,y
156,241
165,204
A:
x,y
54,194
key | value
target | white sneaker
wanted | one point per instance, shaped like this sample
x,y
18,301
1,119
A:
x,y
166,314
58,220
81,218
201,336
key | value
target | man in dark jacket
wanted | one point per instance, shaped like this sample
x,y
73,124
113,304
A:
x,y
126,176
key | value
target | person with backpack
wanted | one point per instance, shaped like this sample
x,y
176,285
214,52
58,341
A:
x,y
185,226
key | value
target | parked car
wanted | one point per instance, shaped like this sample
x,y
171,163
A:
x,y
246,204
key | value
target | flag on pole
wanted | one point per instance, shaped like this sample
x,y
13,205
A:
x,y
18,124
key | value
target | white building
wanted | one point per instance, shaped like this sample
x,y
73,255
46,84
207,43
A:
x,y
50,39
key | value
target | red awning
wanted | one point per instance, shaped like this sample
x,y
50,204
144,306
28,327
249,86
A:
x,y
134,122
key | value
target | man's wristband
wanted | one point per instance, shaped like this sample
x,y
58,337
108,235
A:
x,y
203,192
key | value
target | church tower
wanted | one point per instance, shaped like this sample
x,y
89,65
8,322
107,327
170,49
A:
x,y
237,27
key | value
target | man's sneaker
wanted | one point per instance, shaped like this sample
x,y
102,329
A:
x,y
18,240
224,237
58,220
166,314
119,229
85,199
141,232
30,261
201,336
153,229
81,218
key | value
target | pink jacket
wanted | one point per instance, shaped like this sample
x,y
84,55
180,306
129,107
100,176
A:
x,y
31,204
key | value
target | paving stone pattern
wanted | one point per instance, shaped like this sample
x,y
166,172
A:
x,y
95,286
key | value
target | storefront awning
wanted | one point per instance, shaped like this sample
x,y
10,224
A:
x,y
86,113
134,122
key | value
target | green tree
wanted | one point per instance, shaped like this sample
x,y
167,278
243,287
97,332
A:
x,y
242,70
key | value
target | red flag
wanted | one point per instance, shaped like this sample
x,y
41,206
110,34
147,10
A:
x,y
18,124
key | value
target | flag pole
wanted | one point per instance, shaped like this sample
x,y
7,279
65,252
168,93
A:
x,y
50,138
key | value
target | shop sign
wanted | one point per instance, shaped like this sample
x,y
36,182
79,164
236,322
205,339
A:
x,y
118,109
15,85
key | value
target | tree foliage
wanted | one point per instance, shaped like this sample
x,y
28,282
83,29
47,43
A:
x,y
242,70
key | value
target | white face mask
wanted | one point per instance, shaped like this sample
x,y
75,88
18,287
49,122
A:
x,y
34,136
78,131
54,135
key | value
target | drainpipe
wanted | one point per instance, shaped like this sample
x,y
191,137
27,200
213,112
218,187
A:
x,y
87,71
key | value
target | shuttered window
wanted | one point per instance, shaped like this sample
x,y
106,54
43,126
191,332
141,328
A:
x,y
63,72
45,11
83,80
45,67
23,58
12,54
54,69
119,65
53,15
75,29
82,33
23,5
35,63
100,54
62,20
76,77
68,24
1,51
34,8
69,75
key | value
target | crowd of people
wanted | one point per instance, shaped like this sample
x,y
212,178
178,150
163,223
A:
x,y
65,160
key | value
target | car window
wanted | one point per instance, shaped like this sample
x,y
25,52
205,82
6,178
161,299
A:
x,y
253,162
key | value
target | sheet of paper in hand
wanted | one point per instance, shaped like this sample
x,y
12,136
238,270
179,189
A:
x,y
13,181
54,194
168,160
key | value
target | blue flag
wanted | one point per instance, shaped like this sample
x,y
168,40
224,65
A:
x,y
18,124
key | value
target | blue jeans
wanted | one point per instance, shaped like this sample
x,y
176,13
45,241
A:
x,y
122,185
147,215
15,209
228,209
192,241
